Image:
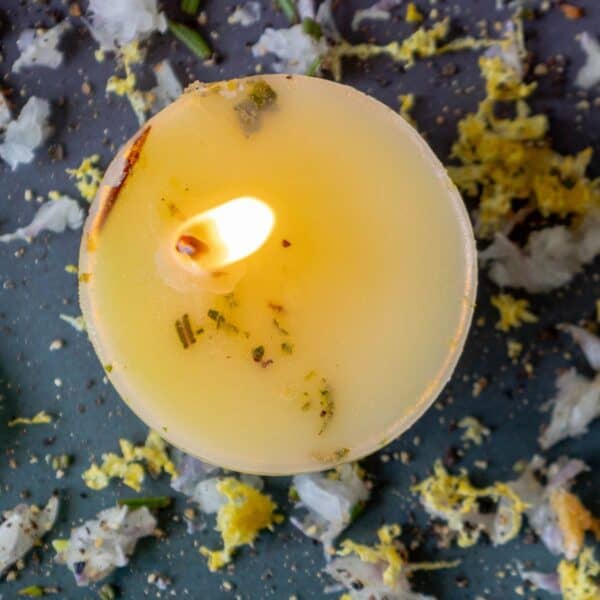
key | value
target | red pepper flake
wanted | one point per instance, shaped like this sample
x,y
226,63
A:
x,y
266,363
572,12
286,243
190,246
276,307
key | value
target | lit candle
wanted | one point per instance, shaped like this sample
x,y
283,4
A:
x,y
277,274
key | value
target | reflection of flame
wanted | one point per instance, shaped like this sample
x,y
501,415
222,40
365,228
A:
x,y
225,234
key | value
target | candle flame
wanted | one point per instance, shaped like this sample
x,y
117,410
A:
x,y
225,234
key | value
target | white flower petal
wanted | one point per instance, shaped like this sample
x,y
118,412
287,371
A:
x,y
378,11
100,545
589,75
330,502
115,23
551,258
246,14
364,581
26,133
295,50
40,50
168,86
575,406
54,215
587,341
22,527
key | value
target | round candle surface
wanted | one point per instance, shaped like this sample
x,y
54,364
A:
x,y
312,328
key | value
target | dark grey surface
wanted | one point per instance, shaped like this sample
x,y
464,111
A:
x,y
34,289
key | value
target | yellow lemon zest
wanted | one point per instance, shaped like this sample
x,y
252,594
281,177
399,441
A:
x,y
40,418
454,496
413,15
386,551
474,432
504,160
87,176
407,103
513,312
128,467
130,55
578,579
240,520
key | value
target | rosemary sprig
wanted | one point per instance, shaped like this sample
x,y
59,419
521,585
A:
x,y
192,39
148,502
288,9
190,7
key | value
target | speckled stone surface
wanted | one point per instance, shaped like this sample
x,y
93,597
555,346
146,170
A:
x,y
34,289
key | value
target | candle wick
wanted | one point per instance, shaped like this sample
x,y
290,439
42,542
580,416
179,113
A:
x,y
191,246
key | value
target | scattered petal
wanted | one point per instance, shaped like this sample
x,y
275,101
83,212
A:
x,y
101,545
587,341
575,406
589,75
296,51
22,528
54,215
550,259
378,11
77,323
378,572
5,114
40,49
168,86
548,582
454,499
555,514
246,14
115,23
26,133
331,499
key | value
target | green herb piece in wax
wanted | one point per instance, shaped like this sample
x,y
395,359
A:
x,y
190,7
188,329
149,502
108,368
327,405
84,277
262,94
280,328
33,591
306,406
258,353
288,9
181,334
192,39
312,28
287,348
341,453
221,321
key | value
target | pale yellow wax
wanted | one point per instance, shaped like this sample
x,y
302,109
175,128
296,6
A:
x,y
369,271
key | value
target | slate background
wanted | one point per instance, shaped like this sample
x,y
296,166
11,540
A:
x,y
34,289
